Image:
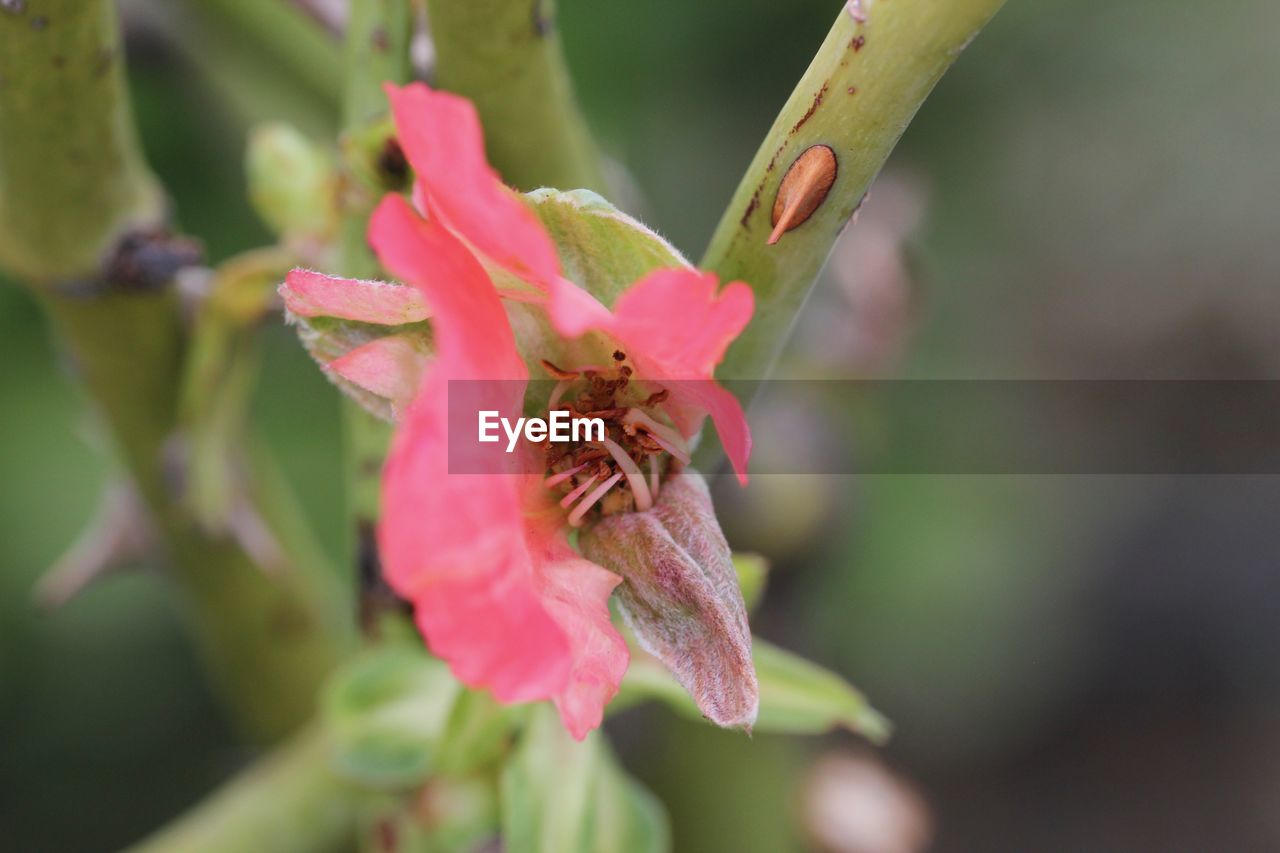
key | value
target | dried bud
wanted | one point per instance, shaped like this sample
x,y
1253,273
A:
x,y
680,596
372,338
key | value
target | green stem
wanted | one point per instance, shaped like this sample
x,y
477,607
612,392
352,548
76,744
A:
x,y
377,52
72,179
858,96
281,31
65,119
505,56
287,801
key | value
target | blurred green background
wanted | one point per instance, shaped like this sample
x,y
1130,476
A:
x,y
1072,662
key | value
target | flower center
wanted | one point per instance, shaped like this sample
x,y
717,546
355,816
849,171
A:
x,y
624,471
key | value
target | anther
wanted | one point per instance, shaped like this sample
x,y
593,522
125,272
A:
x,y
669,439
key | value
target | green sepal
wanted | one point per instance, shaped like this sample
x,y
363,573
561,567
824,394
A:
x,y
796,695
385,713
601,249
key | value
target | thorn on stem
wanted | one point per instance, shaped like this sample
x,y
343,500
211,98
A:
x,y
803,190
119,535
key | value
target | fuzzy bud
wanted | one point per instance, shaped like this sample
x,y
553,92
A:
x,y
680,596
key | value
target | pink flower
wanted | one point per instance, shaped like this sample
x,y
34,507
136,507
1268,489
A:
x,y
499,592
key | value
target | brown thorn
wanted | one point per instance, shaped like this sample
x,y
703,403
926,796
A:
x,y
804,188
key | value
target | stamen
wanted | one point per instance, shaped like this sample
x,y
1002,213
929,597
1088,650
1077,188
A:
x,y
644,500
654,483
559,372
556,479
558,392
575,517
577,493
670,440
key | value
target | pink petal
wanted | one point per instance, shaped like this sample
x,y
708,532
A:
x,y
456,545
705,395
675,327
389,367
574,311
576,594
472,334
313,294
680,322
443,141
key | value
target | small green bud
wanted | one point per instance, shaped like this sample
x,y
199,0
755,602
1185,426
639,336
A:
x,y
292,183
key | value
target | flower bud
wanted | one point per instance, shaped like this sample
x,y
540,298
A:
x,y
291,182
680,596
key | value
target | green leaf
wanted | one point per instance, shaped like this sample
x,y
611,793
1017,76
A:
x,y
601,248
559,796
753,573
629,818
447,814
385,713
796,695
478,731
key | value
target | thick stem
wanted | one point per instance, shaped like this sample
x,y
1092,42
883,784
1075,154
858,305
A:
x,y
287,801
505,56
857,97
72,182
377,52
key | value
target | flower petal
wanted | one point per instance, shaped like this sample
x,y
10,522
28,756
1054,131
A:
x,y
679,321
576,593
313,294
389,367
442,139
675,328
692,397
456,544
472,334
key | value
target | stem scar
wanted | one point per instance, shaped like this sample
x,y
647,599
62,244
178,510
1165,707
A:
x,y
804,188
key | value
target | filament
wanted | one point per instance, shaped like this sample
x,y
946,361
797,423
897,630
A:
x,y
556,479
577,493
644,500
575,517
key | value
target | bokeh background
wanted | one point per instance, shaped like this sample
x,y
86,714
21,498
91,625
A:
x,y
1072,662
